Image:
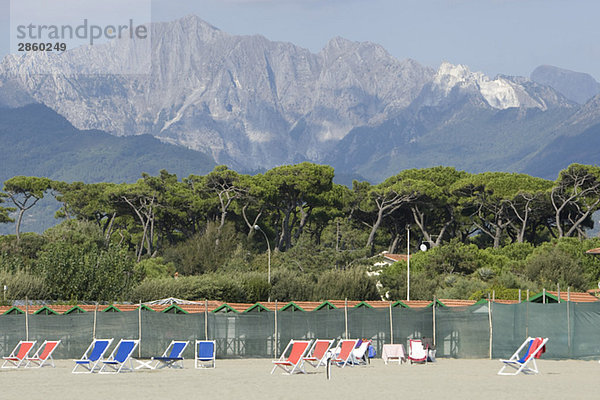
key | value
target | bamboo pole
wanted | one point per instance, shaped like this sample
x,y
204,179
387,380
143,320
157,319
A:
x,y
140,329
544,295
346,315
491,326
26,318
434,304
558,289
95,321
276,330
569,319
527,315
205,319
391,325
519,296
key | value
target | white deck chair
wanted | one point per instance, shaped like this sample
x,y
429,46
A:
x,y
359,354
535,348
417,353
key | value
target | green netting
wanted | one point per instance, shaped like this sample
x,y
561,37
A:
x,y
243,335
570,328
410,323
322,324
158,329
117,325
12,330
585,330
372,324
459,332
462,332
75,331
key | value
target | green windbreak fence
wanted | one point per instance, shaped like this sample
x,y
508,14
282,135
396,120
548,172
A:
x,y
477,331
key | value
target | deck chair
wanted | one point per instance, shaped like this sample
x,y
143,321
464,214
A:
x,y
293,361
120,359
43,356
18,357
205,354
535,348
317,354
172,357
92,356
359,354
343,352
417,351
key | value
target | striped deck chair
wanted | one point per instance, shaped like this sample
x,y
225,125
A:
x,y
18,357
293,362
535,348
317,354
205,356
92,356
120,359
172,357
343,352
360,354
417,352
43,356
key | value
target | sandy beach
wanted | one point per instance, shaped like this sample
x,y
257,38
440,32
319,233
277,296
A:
x,y
251,379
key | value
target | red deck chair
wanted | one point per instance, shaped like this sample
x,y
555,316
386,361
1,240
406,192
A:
x,y
18,357
417,352
343,352
535,348
294,363
317,355
43,356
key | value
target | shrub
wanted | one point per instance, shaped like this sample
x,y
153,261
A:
x,y
205,252
353,284
288,285
21,285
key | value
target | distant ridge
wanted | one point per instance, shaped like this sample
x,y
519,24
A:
x,y
576,86
36,141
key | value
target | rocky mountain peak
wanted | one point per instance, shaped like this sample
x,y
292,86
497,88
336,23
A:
x,y
576,86
250,102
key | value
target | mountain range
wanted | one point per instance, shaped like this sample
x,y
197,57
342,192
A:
x,y
254,104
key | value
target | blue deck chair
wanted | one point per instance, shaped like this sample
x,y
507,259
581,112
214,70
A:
x,y
535,348
172,357
92,356
120,359
205,354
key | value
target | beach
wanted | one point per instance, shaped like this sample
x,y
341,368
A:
x,y
251,379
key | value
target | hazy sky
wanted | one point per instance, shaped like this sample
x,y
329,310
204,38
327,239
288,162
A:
x,y
494,36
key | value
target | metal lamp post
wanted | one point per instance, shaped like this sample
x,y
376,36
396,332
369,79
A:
x,y
268,254
407,262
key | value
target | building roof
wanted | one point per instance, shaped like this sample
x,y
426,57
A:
x,y
576,297
395,257
215,306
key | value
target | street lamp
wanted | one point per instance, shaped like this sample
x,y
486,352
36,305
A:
x,y
407,262
269,252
